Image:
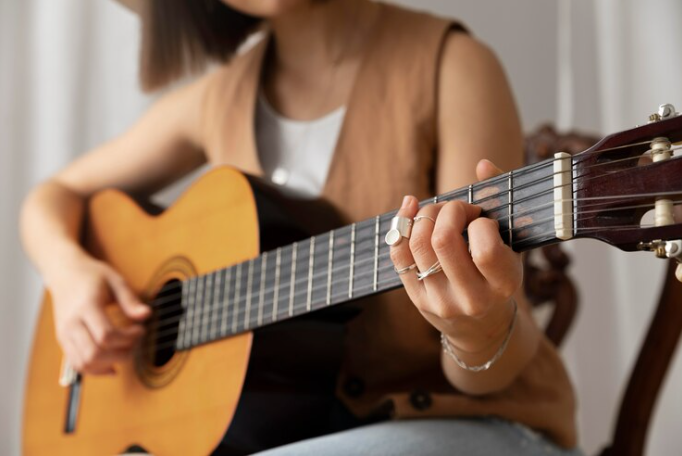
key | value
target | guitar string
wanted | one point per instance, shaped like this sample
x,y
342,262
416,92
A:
x,y
503,179
359,290
243,300
362,248
203,310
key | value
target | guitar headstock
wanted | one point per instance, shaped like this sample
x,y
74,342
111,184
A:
x,y
627,175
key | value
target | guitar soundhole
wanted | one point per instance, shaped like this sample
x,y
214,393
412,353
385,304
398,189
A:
x,y
167,313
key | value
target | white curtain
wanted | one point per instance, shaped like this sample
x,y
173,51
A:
x,y
68,81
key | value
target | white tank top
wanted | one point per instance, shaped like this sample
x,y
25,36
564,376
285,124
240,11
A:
x,y
293,153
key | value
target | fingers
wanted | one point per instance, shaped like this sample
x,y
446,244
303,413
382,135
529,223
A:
x,y
496,262
86,356
401,255
453,252
127,300
106,335
485,169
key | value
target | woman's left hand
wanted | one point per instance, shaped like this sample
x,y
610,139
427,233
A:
x,y
469,301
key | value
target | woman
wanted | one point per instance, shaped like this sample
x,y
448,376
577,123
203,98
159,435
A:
x,y
360,103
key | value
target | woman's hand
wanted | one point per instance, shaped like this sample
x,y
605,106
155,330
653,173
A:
x,y
469,301
91,342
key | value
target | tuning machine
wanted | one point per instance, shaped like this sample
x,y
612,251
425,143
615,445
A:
x,y
665,111
666,250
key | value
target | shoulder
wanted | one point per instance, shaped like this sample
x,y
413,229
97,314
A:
x,y
466,61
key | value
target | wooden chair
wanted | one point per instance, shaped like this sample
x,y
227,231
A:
x,y
550,284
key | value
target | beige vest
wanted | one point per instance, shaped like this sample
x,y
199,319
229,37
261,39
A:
x,y
386,149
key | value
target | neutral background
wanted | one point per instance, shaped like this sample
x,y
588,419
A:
x,y
68,82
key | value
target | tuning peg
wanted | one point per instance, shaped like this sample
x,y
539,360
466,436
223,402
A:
x,y
665,111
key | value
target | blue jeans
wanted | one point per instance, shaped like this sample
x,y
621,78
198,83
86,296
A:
x,y
427,437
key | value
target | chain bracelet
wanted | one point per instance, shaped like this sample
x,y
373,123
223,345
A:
x,y
447,348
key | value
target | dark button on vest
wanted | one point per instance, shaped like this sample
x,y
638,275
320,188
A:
x,y
354,387
420,400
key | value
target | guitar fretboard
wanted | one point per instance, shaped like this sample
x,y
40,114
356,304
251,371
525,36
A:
x,y
349,262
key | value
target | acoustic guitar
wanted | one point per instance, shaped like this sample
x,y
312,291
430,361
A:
x,y
234,265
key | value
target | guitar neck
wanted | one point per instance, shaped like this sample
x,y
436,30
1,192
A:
x,y
349,262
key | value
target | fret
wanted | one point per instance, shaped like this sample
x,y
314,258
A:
x,y
292,287
199,311
510,205
285,282
180,342
190,311
237,290
435,199
352,260
311,265
387,274
217,303
268,287
320,272
340,280
471,194
375,284
207,306
249,283
278,260
330,262
261,291
492,196
226,302
365,248
533,197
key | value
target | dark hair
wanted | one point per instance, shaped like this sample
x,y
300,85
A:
x,y
182,36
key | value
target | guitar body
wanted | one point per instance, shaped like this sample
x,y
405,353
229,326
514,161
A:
x,y
184,406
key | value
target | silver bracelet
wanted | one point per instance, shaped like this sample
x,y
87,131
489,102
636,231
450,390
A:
x,y
447,348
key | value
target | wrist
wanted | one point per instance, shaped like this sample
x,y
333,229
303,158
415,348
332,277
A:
x,y
64,259
485,357
478,335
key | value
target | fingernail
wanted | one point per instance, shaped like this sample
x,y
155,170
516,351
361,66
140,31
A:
x,y
406,201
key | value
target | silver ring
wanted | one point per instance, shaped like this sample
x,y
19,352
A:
x,y
405,269
435,269
420,217
401,227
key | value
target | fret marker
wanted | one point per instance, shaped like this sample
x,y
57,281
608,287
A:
x,y
563,196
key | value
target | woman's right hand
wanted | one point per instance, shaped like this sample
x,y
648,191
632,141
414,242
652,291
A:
x,y
91,342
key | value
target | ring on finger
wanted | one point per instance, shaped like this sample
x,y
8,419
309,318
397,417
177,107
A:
x,y
406,269
401,227
421,217
435,269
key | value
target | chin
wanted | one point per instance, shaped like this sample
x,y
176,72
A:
x,y
266,8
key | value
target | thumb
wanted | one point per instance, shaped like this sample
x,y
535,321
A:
x,y
485,169
131,306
